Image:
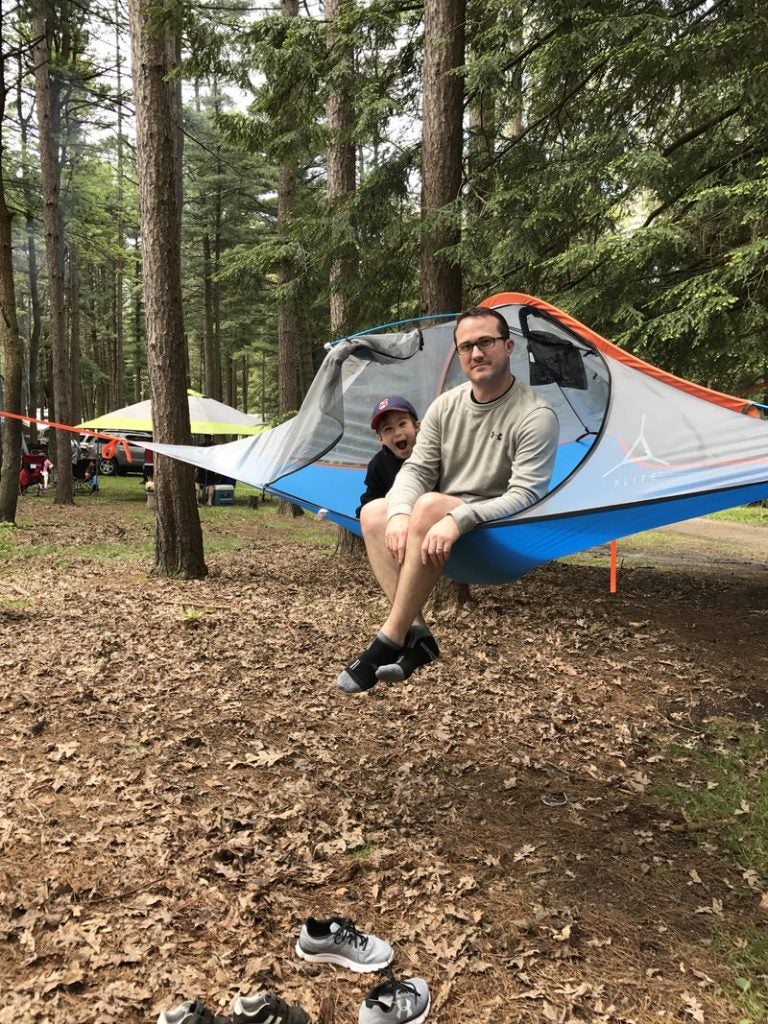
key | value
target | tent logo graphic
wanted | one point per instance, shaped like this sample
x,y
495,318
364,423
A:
x,y
640,451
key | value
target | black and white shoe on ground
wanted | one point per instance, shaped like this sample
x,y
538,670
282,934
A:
x,y
266,1008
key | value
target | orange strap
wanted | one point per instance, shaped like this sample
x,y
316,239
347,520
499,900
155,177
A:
x,y
107,451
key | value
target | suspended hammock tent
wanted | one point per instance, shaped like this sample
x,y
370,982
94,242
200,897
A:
x,y
639,448
207,416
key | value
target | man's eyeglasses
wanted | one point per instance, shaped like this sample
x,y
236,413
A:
x,y
465,347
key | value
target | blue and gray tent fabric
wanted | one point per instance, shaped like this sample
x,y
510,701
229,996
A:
x,y
638,448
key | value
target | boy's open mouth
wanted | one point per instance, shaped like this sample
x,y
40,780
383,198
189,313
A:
x,y
401,445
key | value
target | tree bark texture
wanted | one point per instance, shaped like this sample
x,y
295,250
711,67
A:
x,y
210,356
11,346
74,336
287,316
441,153
178,537
54,249
34,320
119,376
340,170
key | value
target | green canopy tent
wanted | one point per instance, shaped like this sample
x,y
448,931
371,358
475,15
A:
x,y
207,416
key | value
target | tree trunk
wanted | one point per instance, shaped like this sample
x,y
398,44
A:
x,y
209,353
55,258
340,170
441,154
178,538
74,336
34,323
119,376
287,316
138,339
11,346
441,164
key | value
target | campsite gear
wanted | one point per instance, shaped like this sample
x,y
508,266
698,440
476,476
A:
x,y
639,447
207,416
266,1008
33,464
223,494
394,403
337,941
360,674
396,1002
420,649
191,1012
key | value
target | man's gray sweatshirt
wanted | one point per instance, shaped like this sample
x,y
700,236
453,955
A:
x,y
497,457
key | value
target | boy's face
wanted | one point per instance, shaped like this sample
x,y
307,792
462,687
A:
x,y
397,431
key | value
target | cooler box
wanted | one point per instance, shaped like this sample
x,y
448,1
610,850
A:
x,y
223,494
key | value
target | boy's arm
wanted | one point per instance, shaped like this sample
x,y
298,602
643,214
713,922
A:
x,y
375,484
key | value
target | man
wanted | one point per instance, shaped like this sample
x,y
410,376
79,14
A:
x,y
485,450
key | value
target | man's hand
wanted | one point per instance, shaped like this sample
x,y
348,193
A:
x,y
396,535
439,540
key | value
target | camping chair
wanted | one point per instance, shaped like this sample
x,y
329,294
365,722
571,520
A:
x,y
31,473
85,480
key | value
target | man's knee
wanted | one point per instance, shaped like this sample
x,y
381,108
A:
x,y
373,517
430,507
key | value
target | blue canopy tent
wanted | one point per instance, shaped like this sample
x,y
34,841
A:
x,y
639,448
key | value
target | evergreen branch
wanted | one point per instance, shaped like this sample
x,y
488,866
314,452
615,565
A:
x,y
704,173
701,129
553,111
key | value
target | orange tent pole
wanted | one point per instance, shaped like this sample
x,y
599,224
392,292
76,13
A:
x,y
614,559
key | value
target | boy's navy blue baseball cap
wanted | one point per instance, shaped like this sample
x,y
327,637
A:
x,y
391,403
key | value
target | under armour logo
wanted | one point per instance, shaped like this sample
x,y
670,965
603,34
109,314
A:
x,y
403,1007
496,437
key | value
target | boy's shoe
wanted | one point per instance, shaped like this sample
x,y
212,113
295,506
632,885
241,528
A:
x,y
396,1002
337,941
191,1012
360,673
420,649
266,1008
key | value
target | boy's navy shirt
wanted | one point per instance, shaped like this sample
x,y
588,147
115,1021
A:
x,y
379,477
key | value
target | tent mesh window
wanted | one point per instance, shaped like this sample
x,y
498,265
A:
x,y
554,361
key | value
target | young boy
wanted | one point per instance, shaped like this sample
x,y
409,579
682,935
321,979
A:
x,y
396,424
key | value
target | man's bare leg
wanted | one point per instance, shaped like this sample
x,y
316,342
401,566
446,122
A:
x,y
373,520
416,580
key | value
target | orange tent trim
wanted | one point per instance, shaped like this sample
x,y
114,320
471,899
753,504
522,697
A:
x,y
697,390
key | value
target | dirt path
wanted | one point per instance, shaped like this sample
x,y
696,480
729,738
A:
x,y
181,783
751,541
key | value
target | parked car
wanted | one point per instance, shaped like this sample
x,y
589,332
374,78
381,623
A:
x,y
89,448
119,462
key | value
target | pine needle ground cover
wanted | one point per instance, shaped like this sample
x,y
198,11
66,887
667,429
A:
x,y
545,824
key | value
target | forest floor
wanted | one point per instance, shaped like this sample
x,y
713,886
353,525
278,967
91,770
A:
x,y
181,782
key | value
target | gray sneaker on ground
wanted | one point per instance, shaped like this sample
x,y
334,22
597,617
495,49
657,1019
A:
x,y
337,941
266,1008
396,1002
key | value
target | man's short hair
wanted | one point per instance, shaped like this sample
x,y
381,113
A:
x,y
478,311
